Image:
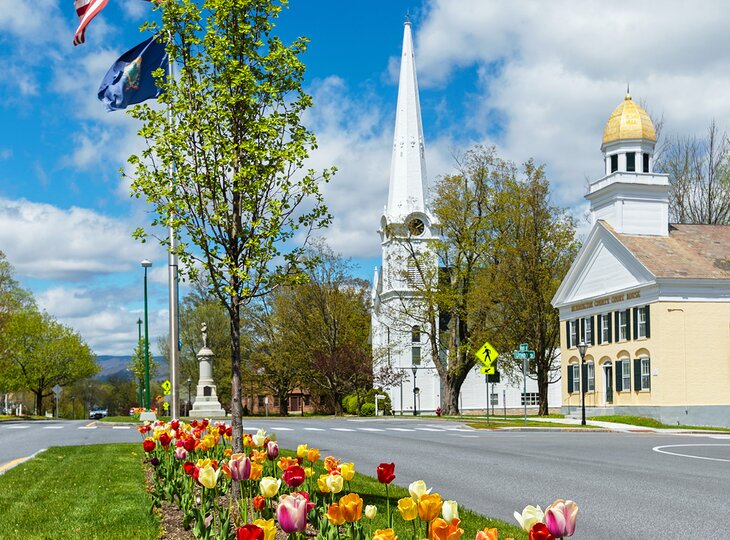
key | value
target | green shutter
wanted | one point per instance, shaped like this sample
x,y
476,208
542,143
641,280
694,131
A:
x,y
592,320
616,325
648,326
570,379
567,335
581,329
629,336
637,374
619,375
636,323
583,377
610,327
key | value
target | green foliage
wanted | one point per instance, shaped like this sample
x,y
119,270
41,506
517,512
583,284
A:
x,y
49,496
367,409
349,402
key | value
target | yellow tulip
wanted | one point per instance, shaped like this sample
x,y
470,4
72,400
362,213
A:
x,y
384,534
351,505
309,472
347,470
322,483
335,482
269,486
268,526
429,506
256,471
208,476
407,508
312,455
302,450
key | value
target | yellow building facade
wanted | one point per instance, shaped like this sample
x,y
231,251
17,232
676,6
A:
x,y
650,300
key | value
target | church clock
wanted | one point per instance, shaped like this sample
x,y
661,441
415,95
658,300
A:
x,y
416,227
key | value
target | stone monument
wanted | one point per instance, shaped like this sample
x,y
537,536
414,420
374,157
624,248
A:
x,y
206,403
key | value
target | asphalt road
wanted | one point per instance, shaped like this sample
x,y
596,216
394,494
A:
x,y
628,485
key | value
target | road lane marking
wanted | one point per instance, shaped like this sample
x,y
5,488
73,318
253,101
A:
x,y
19,427
280,428
121,427
87,427
369,429
660,449
10,464
53,427
399,429
428,429
467,436
720,437
313,429
341,429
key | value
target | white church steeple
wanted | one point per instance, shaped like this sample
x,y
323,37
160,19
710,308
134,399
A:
x,y
408,187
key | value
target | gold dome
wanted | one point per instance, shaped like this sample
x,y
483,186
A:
x,y
628,121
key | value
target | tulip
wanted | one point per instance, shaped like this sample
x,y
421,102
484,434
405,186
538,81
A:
x,y
384,534
310,504
258,456
272,450
441,530
347,470
285,462
429,506
302,450
386,473
238,467
259,438
189,467
331,464
351,505
208,476
165,439
268,526
149,445
269,486
291,513
250,532
407,509
154,462
322,483
371,511
450,511
256,471
487,534
294,476
530,515
418,488
259,503
189,444
335,483
560,518
334,515
540,531
181,453
312,455
175,424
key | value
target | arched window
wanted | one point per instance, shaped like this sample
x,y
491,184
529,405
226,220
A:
x,y
416,334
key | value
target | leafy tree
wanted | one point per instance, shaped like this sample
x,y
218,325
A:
x,y
238,148
42,353
12,296
699,175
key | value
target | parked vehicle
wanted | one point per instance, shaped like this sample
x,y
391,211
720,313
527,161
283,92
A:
x,y
96,413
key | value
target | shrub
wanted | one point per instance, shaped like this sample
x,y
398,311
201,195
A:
x,y
367,409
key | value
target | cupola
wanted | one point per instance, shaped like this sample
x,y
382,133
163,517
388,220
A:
x,y
629,139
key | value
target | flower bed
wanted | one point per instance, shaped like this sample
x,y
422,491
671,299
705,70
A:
x,y
263,492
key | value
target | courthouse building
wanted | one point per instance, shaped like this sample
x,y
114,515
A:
x,y
650,299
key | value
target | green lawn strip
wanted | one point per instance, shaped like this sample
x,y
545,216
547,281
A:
x,y
7,418
76,492
650,423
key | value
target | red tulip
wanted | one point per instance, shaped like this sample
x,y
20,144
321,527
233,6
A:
x,y
175,424
189,467
250,532
294,476
259,503
189,444
165,440
540,531
386,473
149,445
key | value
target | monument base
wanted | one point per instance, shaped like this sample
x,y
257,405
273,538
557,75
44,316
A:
x,y
147,416
211,408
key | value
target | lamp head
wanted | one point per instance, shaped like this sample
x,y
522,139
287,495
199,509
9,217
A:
x,y
414,369
582,348
146,263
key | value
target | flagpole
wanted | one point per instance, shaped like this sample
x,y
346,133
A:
x,y
173,284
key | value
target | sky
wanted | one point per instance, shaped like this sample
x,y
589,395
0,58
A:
x,y
537,79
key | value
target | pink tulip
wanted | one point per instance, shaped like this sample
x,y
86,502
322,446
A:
x,y
181,453
272,450
292,513
240,467
560,518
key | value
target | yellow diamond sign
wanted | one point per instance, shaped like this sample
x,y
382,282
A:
x,y
487,355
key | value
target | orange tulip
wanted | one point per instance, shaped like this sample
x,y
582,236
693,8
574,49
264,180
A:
x,y
256,471
384,534
351,506
487,534
335,515
440,530
312,455
331,464
429,506
286,462
259,456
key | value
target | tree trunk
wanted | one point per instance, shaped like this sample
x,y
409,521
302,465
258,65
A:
x,y
236,411
542,391
38,401
284,404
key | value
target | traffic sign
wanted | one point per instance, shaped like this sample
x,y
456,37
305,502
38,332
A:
x,y
524,347
487,370
57,390
487,354
166,387
524,355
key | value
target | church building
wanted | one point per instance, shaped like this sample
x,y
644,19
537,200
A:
x,y
407,232
649,299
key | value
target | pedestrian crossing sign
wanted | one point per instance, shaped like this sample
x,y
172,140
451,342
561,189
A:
x,y
487,355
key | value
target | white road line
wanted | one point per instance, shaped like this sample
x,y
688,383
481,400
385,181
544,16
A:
x,y
18,427
462,430
399,429
280,428
341,429
87,427
369,429
720,437
467,436
428,429
53,427
661,450
121,427
313,429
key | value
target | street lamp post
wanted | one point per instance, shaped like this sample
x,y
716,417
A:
x,y
582,350
146,264
139,381
187,409
414,369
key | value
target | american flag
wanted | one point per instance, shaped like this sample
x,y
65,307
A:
x,y
86,10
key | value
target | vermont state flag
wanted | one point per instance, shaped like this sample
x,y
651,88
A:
x,y
130,79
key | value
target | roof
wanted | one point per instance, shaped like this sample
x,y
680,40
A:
x,y
690,251
628,121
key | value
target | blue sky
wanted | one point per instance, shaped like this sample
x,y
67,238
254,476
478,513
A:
x,y
537,79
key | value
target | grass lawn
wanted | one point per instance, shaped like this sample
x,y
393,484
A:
x,y
7,417
650,422
76,492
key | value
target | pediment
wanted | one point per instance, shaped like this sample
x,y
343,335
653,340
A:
x,y
602,266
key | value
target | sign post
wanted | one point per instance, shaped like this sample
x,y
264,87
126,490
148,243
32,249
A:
x,y
57,394
487,355
524,354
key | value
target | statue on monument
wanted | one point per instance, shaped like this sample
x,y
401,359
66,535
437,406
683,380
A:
x,y
204,331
